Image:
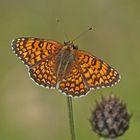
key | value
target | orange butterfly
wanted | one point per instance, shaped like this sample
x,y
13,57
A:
x,y
54,65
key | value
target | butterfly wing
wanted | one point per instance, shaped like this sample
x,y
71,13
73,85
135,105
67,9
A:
x,y
33,50
44,74
73,83
97,73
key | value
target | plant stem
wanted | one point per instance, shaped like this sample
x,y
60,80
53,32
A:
x,y
102,138
71,120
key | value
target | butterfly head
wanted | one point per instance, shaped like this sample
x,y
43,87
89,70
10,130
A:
x,y
70,45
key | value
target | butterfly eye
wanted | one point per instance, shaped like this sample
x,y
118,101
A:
x,y
66,42
75,47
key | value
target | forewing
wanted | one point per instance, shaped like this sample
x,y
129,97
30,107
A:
x,y
97,73
44,74
73,83
33,50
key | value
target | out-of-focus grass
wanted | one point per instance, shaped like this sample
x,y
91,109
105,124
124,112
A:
x,y
29,112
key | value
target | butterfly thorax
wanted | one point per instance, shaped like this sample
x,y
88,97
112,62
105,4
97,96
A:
x,y
64,59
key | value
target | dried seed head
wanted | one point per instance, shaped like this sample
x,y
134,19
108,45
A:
x,y
110,117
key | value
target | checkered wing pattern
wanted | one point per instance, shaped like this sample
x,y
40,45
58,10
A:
x,y
32,51
73,83
96,72
44,74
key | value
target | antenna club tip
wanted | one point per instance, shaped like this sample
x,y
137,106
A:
x,y
57,20
90,28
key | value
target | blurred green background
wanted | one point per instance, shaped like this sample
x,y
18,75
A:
x,y
30,112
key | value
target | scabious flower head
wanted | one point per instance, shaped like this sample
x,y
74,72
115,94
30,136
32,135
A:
x,y
110,117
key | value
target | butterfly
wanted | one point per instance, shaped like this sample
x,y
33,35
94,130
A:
x,y
72,71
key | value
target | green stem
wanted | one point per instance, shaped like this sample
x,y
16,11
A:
x,y
102,138
71,120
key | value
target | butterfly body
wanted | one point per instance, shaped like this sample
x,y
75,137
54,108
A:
x,y
64,59
63,66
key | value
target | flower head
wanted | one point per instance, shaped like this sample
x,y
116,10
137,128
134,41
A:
x,y
110,117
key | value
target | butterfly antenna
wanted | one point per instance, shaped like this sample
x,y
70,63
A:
x,y
81,34
59,23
